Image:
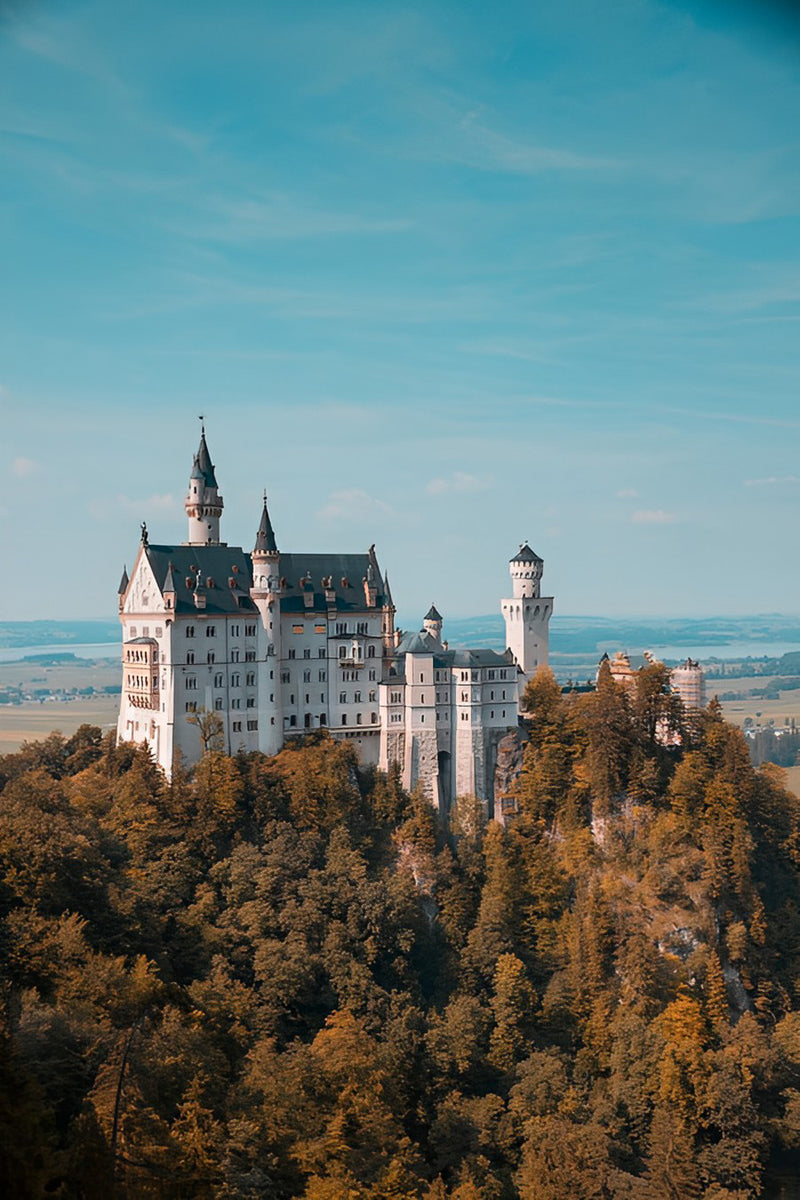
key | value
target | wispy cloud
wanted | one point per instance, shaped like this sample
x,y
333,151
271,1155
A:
x,y
771,480
23,467
147,506
459,481
491,149
283,216
627,494
353,504
653,516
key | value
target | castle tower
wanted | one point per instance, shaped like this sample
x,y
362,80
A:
x,y
527,614
203,503
265,594
432,623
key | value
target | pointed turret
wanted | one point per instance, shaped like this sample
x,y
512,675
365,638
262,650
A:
x,y
265,538
203,503
169,589
266,556
123,583
432,623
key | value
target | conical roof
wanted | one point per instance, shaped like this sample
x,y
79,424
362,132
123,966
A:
x,y
433,614
265,538
525,554
203,467
169,581
123,583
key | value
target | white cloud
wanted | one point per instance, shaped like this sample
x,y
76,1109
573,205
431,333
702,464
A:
x,y
152,504
459,481
627,494
653,516
352,504
23,467
770,480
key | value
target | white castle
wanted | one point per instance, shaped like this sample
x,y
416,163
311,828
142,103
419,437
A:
x,y
275,645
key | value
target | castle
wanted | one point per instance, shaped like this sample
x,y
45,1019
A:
x,y
247,650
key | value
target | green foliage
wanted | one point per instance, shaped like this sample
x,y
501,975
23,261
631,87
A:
x,y
284,977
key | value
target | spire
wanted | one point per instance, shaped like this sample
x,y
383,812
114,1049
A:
x,y
387,591
203,467
123,583
265,538
432,614
169,582
525,554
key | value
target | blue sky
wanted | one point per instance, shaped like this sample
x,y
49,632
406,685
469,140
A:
x,y
441,276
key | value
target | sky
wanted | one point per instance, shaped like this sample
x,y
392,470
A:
x,y
439,276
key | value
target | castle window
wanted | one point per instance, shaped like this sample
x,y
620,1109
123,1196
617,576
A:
x,y
234,655
421,677
357,698
211,631
464,697
218,679
249,656
504,712
249,631
308,698
292,719
491,714
370,651
307,653
218,703
235,679
285,677
341,628
504,694
251,701
297,629
234,630
422,699
422,719
159,631
344,718
191,706
491,695
133,631
237,726
291,698
252,726
191,683
342,652
189,631
323,720
358,718
373,717
373,697
372,676
343,697
322,676
251,678
307,720
236,704
291,654
190,656
321,653
361,627
211,656
319,629
306,677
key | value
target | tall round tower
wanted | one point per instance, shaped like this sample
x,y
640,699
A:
x,y
265,594
203,503
527,614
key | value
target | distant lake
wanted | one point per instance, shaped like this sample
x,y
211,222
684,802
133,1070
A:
x,y
97,650
736,650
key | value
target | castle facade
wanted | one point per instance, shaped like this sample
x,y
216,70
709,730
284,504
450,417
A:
x,y
246,650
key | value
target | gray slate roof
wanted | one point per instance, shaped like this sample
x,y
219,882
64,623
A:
x,y
203,467
217,564
265,538
525,554
433,614
295,568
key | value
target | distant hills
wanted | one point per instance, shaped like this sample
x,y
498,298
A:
x,y
569,635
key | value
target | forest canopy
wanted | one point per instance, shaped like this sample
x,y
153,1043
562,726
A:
x,y
286,977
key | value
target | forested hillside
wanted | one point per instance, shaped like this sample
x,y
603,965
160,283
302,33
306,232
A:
x,y
282,977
